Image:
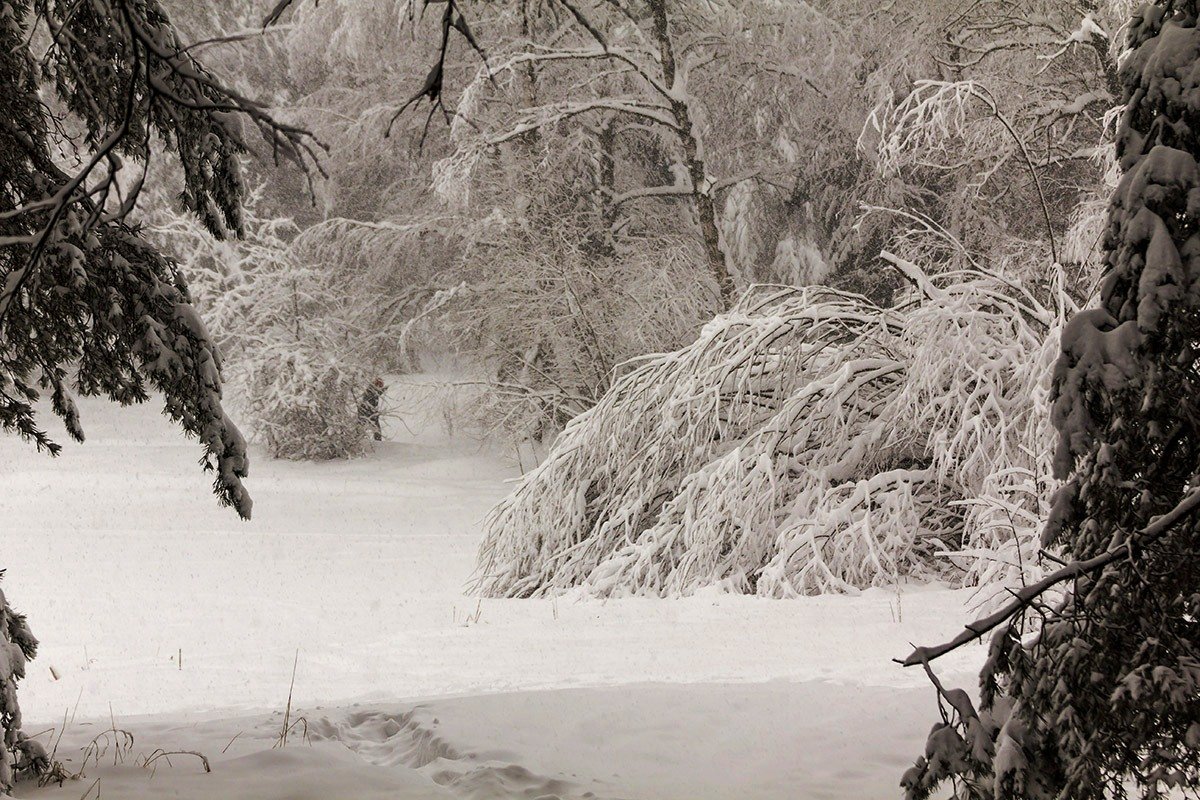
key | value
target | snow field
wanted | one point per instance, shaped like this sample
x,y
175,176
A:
x,y
355,572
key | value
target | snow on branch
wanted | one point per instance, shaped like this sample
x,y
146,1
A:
x,y
1029,595
807,441
934,114
538,55
548,115
681,188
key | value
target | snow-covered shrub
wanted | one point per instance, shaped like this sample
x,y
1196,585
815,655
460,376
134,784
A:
x,y
300,322
807,441
303,404
17,646
308,358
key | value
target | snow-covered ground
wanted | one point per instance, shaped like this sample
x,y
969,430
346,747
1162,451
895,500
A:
x,y
161,613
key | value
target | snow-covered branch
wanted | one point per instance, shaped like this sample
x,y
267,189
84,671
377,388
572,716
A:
x,y
796,446
548,115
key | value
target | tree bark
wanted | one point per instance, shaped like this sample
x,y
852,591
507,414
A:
x,y
693,159
604,178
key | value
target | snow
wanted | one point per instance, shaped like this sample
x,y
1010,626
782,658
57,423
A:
x,y
355,571
1088,29
647,741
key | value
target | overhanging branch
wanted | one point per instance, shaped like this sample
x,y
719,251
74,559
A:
x,y
1027,596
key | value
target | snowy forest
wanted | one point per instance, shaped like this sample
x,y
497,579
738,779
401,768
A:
x,y
643,399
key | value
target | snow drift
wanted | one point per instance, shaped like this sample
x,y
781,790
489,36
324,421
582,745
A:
x,y
808,441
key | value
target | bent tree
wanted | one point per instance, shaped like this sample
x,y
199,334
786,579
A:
x,y
1096,692
87,305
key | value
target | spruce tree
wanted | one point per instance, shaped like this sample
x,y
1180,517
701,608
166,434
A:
x,y
1097,694
17,646
87,305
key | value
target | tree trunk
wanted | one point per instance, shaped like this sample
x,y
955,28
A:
x,y
693,159
605,188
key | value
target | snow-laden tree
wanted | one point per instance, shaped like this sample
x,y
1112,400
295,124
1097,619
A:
x,y
347,70
87,304
18,753
547,304
305,321
807,441
543,171
81,287
564,153
1000,142
685,503
1096,693
618,71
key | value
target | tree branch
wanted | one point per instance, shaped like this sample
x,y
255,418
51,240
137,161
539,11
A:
x,y
1028,596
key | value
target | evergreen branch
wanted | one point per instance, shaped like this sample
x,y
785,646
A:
x,y
1028,596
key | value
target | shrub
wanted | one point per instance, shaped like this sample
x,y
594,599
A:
x,y
807,441
303,404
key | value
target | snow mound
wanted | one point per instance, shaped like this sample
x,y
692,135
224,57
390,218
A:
x,y
808,441
388,739
253,770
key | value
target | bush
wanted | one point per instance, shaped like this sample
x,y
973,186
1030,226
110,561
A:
x,y
305,405
300,326
807,441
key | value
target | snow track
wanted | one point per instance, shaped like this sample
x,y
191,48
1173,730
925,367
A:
x,y
412,740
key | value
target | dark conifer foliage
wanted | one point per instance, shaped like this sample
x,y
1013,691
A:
x,y
17,646
87,305
87,88
1104,701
